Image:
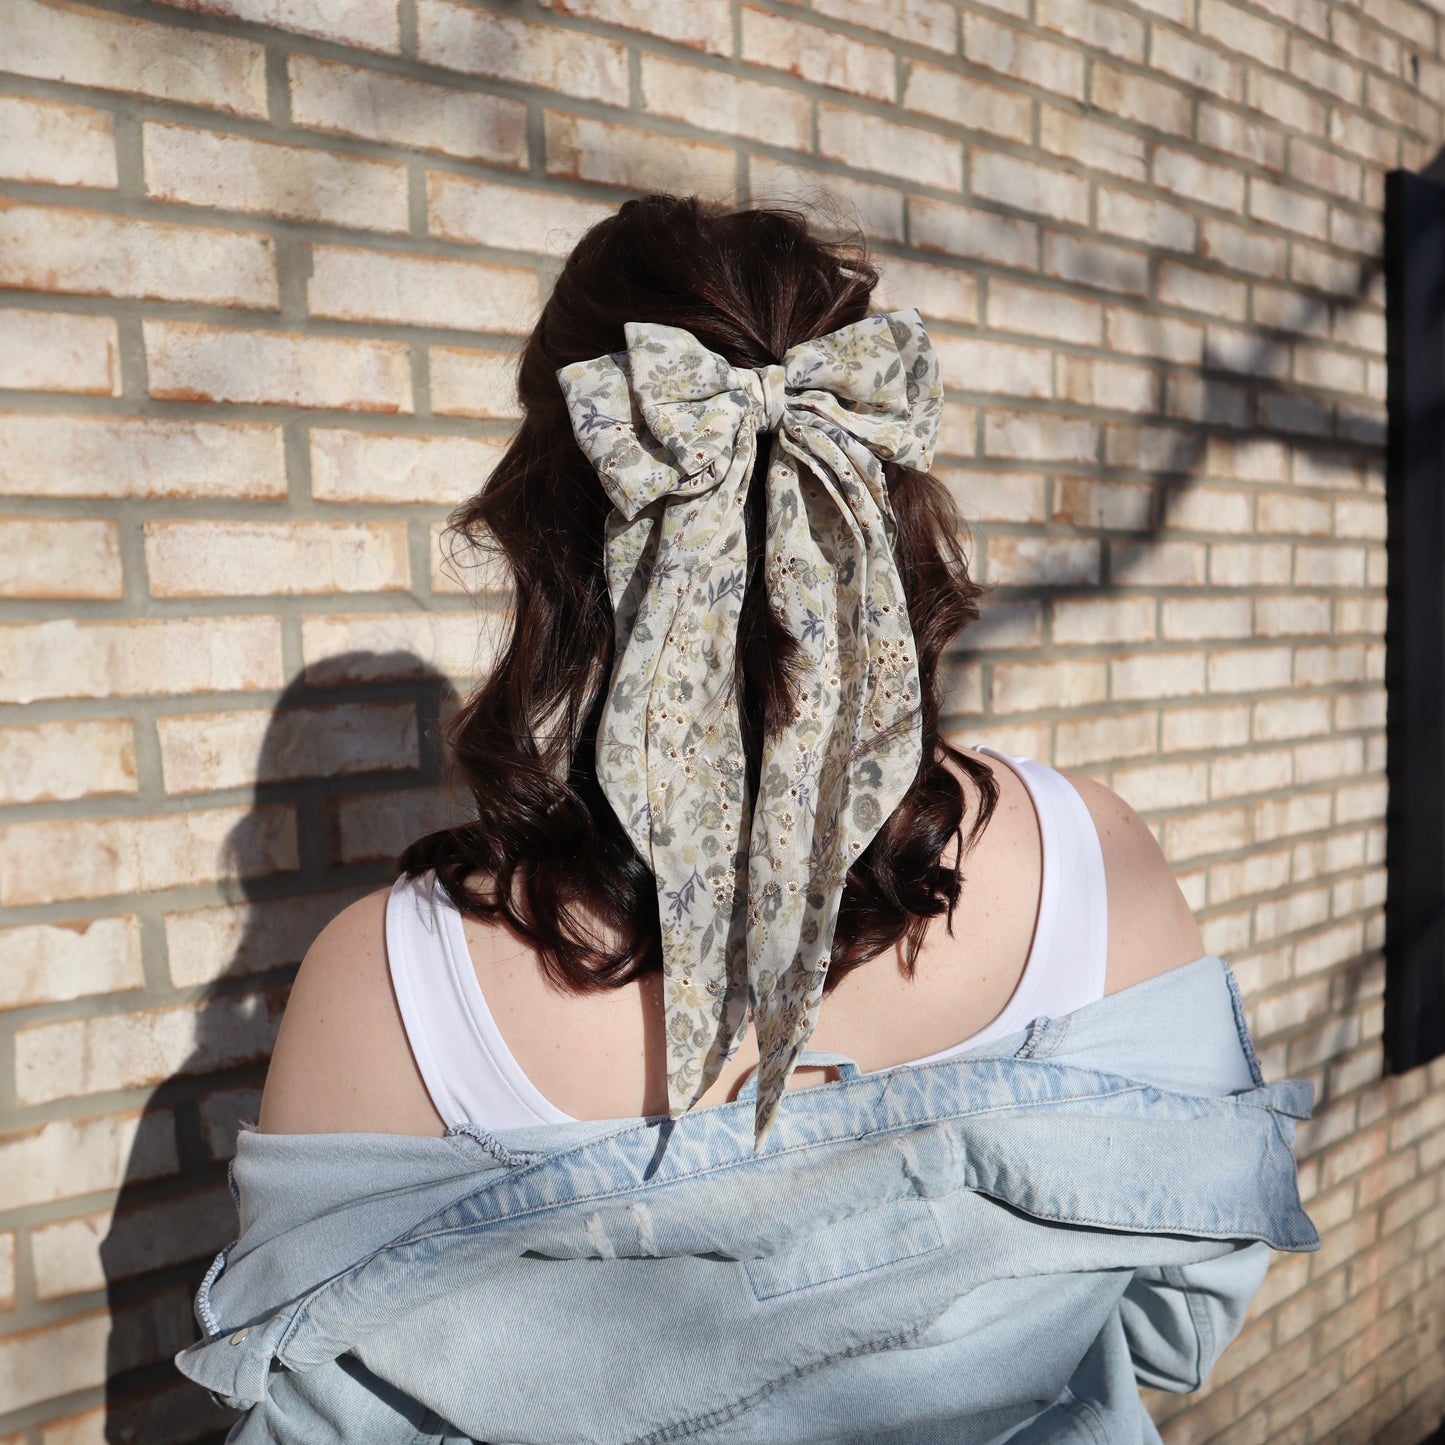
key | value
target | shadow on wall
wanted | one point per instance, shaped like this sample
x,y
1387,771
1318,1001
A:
x,y
355,769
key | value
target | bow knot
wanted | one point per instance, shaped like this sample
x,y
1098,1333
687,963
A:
x,y
769,388
749,888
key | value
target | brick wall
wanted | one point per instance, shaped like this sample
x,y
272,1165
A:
x,y
263,262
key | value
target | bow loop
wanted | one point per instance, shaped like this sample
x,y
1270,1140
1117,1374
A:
x,y
749,888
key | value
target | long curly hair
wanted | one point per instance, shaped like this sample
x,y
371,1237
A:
x,y
544,849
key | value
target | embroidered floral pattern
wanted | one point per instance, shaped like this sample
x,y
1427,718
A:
x,y
749,890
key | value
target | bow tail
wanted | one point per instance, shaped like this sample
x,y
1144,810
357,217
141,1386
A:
x,y
854,748
670,749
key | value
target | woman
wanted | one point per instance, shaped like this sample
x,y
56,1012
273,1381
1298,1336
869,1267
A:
x,y
524,1170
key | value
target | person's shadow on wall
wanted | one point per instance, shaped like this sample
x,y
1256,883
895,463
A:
x,y
352,762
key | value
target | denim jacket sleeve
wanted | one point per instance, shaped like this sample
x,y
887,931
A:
x,y
1178,1319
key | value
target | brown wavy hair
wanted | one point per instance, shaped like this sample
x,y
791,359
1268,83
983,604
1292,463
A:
x,y
545,850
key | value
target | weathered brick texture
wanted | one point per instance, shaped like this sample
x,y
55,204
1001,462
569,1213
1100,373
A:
x,y
264,269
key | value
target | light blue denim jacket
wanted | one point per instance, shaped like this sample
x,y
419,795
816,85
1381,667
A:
x,y
998,1246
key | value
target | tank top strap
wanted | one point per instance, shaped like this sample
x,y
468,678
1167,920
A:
x,y
1074,909
463,1060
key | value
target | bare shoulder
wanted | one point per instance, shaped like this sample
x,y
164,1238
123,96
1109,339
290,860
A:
x,y
342,1063
1151,926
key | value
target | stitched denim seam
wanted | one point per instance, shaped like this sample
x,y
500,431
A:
x,y
1087,1415
1198,1317
725,1413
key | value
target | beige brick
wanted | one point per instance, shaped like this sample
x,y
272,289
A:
x,y
49,862
1051,313
189,361
49,248
1249,669
58,351
59,557
466,382
1362,517
1187,175
1220,830
1150,448
1111,506
1039,436
1145,218
1027,686
351,284
958,431
1084,742
59,145
1186,729
1158,787
221,1114
869,143
72,1256
70,658
1202,508
1328,367
968,102
1290,717
1118,385
702,24
353,466
54,962
1110,620
941,293
127,1051
65,1158
1196,289
981,364
835,203
1154,103
373,825
1102,27
1042,561
1157,564
1256,773
995,496
201,752
1206,400
622,155
1147,333
1324,170
1286,817
1237,29
1325,69
1329,566
58,456
480,42
977,234
718,101
1091,142
249,559
1246,459
362,647
1014,182
371,24
1241,249
7,1283
1286,207
82,46
67,758
298,183
232,940
930,23
1145,675
1196,65
1294,513
462,208
1057,69
1239,137
346,100
1375,143
1204,618
823,57
1258,872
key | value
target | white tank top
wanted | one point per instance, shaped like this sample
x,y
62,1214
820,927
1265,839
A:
x,y
473,1078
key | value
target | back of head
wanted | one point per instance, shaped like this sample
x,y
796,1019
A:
x,y
546,850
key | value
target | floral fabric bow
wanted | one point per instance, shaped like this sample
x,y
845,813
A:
x,y
672,429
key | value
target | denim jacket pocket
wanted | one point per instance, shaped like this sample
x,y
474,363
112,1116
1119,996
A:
x,y
853,1245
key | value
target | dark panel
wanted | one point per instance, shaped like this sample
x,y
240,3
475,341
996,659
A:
x,y
1415,627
